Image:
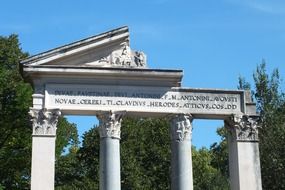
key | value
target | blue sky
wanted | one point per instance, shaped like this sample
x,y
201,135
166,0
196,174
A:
x,y
214,42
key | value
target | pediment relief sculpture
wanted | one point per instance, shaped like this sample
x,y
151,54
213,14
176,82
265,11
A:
x,y
122,57
110,49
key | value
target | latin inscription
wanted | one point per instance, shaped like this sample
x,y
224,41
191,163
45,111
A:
x,y
184,101
142,99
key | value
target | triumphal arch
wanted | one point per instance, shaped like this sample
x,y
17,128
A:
x,y
104,77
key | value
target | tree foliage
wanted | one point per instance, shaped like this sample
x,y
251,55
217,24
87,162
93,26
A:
x,y
220,155
15,126
206,175
271,106
145,160
79,169
145,152
15,99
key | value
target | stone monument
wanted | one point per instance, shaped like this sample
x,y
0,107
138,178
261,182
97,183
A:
x,y
104,77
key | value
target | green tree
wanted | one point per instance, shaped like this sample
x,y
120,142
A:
x,y
67,145
271,106
67,138
145,149
79,169
145,160
220,155
206,176
15,126
15,99
145,156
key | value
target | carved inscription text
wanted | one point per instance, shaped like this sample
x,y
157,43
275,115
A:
x,y
142,99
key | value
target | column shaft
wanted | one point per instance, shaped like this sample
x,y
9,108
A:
x,y
181,157
110,172
244,158
110,129
43,159
43,148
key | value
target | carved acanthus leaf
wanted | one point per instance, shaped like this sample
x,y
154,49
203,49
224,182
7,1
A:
x,y
243,127
44,121
181,127
110,124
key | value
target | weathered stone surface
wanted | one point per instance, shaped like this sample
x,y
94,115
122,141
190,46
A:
x,y
243,127
110,124
44,121
181,127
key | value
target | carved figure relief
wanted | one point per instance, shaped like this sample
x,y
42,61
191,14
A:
x,y
181,127
243,127
44,121
139,59
104,60
123,57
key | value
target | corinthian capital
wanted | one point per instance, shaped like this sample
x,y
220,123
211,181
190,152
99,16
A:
x,y
110,124
181,127
44,121
243,127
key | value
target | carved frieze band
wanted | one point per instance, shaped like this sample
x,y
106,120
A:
x,y
44,121
181,127
243,127
110,124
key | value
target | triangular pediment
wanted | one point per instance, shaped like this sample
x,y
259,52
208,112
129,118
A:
x,y
109,49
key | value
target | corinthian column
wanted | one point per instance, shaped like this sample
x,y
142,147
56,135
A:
x,y
244,159
181,158
43,148
110,130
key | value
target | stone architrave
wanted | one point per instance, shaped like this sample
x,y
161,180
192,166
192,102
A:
x,y
181,157
244,158
110,130
43,148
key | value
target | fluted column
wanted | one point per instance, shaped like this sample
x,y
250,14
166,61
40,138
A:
x,y
110,132
43,148
181,158
244,158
